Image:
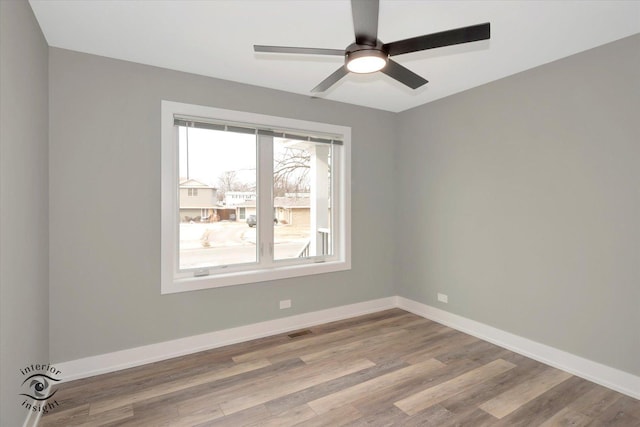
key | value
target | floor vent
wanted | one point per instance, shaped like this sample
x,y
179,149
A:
x,y
300,333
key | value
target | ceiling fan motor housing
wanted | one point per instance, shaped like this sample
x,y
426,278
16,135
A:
x,y
363,59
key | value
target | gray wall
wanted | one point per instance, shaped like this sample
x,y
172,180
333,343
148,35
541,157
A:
x,y
24,292
105,262
520,199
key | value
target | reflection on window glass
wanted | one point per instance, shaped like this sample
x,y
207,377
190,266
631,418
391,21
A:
x,y
301,198
217,188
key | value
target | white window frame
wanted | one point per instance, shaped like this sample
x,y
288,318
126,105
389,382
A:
x,y
172,280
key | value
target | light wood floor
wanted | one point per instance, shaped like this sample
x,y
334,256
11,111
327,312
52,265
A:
x,y
387,368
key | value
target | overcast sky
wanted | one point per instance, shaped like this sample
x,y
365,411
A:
x,y
211,153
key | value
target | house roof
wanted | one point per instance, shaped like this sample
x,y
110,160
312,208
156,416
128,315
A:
x,y
246,204
192,183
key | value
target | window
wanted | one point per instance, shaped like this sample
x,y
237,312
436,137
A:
x,y
291,178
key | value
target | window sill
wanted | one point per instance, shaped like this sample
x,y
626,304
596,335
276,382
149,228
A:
x,y
219,280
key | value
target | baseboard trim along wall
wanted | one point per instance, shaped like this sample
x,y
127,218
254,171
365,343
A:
x,y
612,378
123,359
598,373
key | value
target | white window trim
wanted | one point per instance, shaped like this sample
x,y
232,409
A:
x,y
170,283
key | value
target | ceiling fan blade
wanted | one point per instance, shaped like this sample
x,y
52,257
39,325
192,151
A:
x,y
331,80
444,38
403,75
303,50
365,21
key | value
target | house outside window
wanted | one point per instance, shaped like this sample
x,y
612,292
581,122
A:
x,y
196,206
287,180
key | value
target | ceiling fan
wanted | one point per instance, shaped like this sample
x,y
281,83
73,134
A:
x,y
368,54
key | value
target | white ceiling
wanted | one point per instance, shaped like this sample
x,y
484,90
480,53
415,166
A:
x,y
216,38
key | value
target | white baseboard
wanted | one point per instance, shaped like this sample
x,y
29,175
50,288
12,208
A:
x,y
598,373
612,378
109,362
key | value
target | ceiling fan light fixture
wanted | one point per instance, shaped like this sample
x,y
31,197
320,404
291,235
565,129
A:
x,y
366,61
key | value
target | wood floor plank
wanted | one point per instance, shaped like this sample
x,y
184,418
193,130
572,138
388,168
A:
x,y
438,416
231,386
293,347
374,402
333,386
403,347
375,385
355,348
153,415
338,417
191,419
153,374
288,418
440,344
349,323
190,414
619,413
595,401
522,393
419,401
66,417
475,418
105,418
628,404
346,344
314,374
480,393
567,417
176,385
545,406
242,418
478,351
383,417
433,416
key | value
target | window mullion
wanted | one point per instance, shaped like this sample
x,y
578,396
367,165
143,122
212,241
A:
x,y
265,199
338,203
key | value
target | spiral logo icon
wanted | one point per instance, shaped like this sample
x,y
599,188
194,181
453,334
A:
x,y
39,387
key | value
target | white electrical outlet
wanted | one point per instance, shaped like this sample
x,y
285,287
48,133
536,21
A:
x,y
443,298
285,303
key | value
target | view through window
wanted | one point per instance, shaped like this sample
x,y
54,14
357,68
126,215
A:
x,y
218,165
248,197
219,200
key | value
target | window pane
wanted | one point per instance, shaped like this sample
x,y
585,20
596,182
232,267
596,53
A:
x,y
301,193
217,181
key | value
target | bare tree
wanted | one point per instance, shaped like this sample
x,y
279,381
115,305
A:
x,y
291,171
229,181
290,174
